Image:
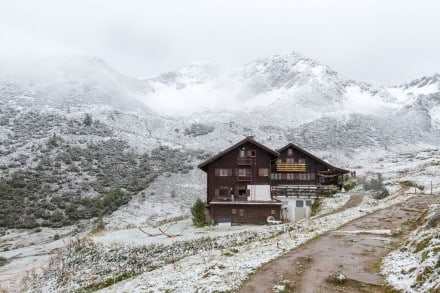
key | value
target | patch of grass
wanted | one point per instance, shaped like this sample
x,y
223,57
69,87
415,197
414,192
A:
x,y
316,206
409,183
390,289
337,279
425,255
422,244
423,276
3,261
287,287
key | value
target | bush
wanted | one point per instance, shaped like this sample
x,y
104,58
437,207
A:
x,y
381,194
376,184
349,185
88,120
198,213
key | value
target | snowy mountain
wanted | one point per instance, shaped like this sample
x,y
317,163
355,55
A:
x,y
192,112
287,94
83,146
71,82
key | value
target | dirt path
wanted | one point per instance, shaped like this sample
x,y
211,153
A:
x,y
355,250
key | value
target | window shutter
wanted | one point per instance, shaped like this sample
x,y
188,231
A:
x,y
263,172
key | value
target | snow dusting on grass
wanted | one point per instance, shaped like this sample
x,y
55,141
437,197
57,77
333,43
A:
x,y
415,266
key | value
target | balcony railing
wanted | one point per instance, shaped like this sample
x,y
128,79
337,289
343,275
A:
x,y
291,167
244,178
244,161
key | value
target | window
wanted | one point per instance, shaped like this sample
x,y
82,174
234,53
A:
x,y
303,176
299,203
224,192
242,172
301,161
234,211
308,202
223,172
242,153
263,172
290,160
275,176
290,152
290,176
241,212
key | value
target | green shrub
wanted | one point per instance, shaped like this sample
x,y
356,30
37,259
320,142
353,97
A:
x,y
88,120
198,212
316,206
348,185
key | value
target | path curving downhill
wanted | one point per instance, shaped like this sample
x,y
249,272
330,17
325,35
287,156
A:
x,y
354,251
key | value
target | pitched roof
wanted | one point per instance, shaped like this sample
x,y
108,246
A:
x,y
247,139
330,166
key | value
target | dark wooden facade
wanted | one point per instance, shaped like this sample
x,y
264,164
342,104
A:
x,y
296,166
240,179
238,184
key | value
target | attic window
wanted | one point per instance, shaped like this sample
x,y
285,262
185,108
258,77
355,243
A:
x,y
242,152
290,152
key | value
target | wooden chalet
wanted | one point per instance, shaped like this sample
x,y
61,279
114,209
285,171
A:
x,y
242,181
296,171
238,184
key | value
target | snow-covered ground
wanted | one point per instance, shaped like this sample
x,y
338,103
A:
x,y
415,266
238,250
220,270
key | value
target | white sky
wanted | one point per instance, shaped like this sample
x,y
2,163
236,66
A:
x,y
391,42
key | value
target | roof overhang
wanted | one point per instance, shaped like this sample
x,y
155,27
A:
x,y
247,139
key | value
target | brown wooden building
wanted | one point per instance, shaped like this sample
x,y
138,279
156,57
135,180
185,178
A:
x,y
296,166
240,180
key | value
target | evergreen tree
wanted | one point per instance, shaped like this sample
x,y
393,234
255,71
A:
x,y
198,213
88,120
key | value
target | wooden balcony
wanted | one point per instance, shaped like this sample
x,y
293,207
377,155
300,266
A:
x,y
244,178
244,161
302,190
291,167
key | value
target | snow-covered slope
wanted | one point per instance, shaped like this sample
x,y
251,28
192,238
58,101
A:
x,y
203,108
71,82
160,128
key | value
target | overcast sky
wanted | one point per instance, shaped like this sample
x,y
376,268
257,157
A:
x,y
391,42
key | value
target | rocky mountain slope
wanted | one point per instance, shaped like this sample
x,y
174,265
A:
x,y
141,132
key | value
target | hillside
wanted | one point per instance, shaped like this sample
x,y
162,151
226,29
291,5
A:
x,y
49,149
84,147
